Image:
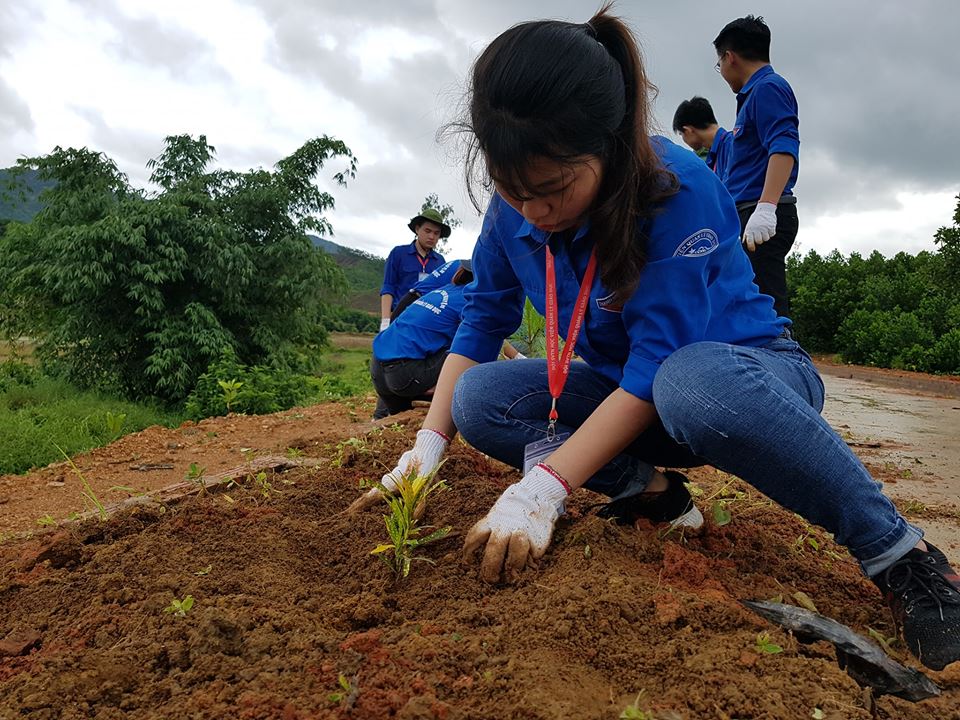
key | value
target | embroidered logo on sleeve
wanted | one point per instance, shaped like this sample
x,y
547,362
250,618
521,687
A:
x,y
702,242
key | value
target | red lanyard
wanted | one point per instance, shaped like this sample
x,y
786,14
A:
x,y
423,261
558,366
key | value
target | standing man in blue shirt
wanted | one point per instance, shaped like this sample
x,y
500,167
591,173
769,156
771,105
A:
x,y
409,264
696,124
765,156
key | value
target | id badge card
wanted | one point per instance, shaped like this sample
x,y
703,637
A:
x,y
422,276
538,451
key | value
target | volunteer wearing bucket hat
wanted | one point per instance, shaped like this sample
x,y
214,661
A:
x,y
408,264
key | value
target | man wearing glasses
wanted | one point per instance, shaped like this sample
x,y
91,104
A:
x,y
765,155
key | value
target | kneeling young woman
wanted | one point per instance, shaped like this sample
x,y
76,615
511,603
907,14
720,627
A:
x,y
631,247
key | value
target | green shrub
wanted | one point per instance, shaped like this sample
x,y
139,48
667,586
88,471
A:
x,y
252,389
885,339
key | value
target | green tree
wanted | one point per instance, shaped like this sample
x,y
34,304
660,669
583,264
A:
x,y
446,212
142,291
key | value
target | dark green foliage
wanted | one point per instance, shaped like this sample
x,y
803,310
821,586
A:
x,y
259,389
900,312
342,319
140,292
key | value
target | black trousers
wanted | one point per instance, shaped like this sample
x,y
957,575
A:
x,y
769,260
399,382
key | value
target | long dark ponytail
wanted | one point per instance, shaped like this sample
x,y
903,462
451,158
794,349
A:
x,y
562,91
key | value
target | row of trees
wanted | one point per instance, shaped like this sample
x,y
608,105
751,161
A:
x,y
900,312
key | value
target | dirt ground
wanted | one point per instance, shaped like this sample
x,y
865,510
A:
x,y
294,619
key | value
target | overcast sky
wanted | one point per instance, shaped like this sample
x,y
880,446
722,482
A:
x,y
877,83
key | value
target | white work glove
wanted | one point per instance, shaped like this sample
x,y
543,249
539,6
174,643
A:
x,y
426,453
384,324
761,226
518,528
519,356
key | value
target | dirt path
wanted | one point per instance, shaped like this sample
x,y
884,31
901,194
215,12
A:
x,y
908,439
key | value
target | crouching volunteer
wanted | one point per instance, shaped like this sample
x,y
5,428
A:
x,y
408,355
630,246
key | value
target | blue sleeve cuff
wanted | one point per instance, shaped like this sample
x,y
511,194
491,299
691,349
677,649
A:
x,y
475,344
785,145
638,376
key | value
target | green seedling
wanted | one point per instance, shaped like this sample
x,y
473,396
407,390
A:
x,y
204,571
817,714
179,608
294,453
886,642
195,475
766,646
115,424
264,487
406,505
915,507
346,688
87,491
230,390
46,520
633,711
358,444
721,513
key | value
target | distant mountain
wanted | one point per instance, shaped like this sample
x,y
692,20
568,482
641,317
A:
x,y
22,202
364,273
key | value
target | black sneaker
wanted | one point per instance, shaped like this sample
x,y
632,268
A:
x,y
923,592
673,505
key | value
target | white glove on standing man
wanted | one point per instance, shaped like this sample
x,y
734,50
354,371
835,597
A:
x,y
426,453
761,226
384,324
518,528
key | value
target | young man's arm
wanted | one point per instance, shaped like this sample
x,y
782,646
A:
x,y
762,225
391,276
779,167
386,301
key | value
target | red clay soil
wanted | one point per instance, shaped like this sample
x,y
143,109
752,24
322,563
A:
x,y
294,619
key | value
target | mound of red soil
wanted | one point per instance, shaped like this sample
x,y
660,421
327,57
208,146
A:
x,y
294,619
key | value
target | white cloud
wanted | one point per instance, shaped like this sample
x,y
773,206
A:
x,y
908,226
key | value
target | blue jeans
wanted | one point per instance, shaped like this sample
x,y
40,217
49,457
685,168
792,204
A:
x,y
751,412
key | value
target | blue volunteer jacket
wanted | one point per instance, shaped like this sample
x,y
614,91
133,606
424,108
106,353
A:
x,y
718,158
443,275
404,269
767,123
697,283
424,328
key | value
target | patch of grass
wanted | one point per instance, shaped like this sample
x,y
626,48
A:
x,y
38,413
345,371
